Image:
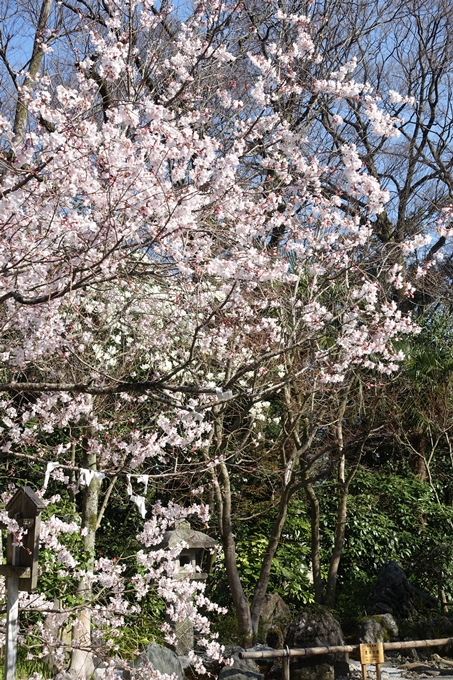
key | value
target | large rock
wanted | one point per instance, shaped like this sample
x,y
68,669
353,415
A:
x,y
392,593
378,628
241,669
162,659
310,630
435,628
274,621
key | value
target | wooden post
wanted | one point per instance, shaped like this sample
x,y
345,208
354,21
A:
x,y
286,661
364,671
12,626
21,569
12,619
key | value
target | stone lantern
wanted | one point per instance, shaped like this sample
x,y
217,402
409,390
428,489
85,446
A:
x,y
197,553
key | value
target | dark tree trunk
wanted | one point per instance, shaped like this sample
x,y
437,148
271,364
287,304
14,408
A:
x,y
315,544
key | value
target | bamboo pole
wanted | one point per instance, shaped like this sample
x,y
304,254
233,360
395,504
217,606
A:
x,y
312,651
286,668
309,651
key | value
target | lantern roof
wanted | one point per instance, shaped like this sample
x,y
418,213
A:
x,y
183,532
26,500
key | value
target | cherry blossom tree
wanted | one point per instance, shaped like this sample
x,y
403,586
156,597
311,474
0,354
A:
x,y
169,248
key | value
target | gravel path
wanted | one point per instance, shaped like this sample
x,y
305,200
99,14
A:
x,y
435,668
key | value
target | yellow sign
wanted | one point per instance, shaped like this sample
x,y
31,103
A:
x,y
373,653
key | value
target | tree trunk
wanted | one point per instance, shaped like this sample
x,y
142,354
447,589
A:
x,y
340,527
418,458
266,564
315,544
222,494
33,68
291,453
340,530
248,616
240,599
82,658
